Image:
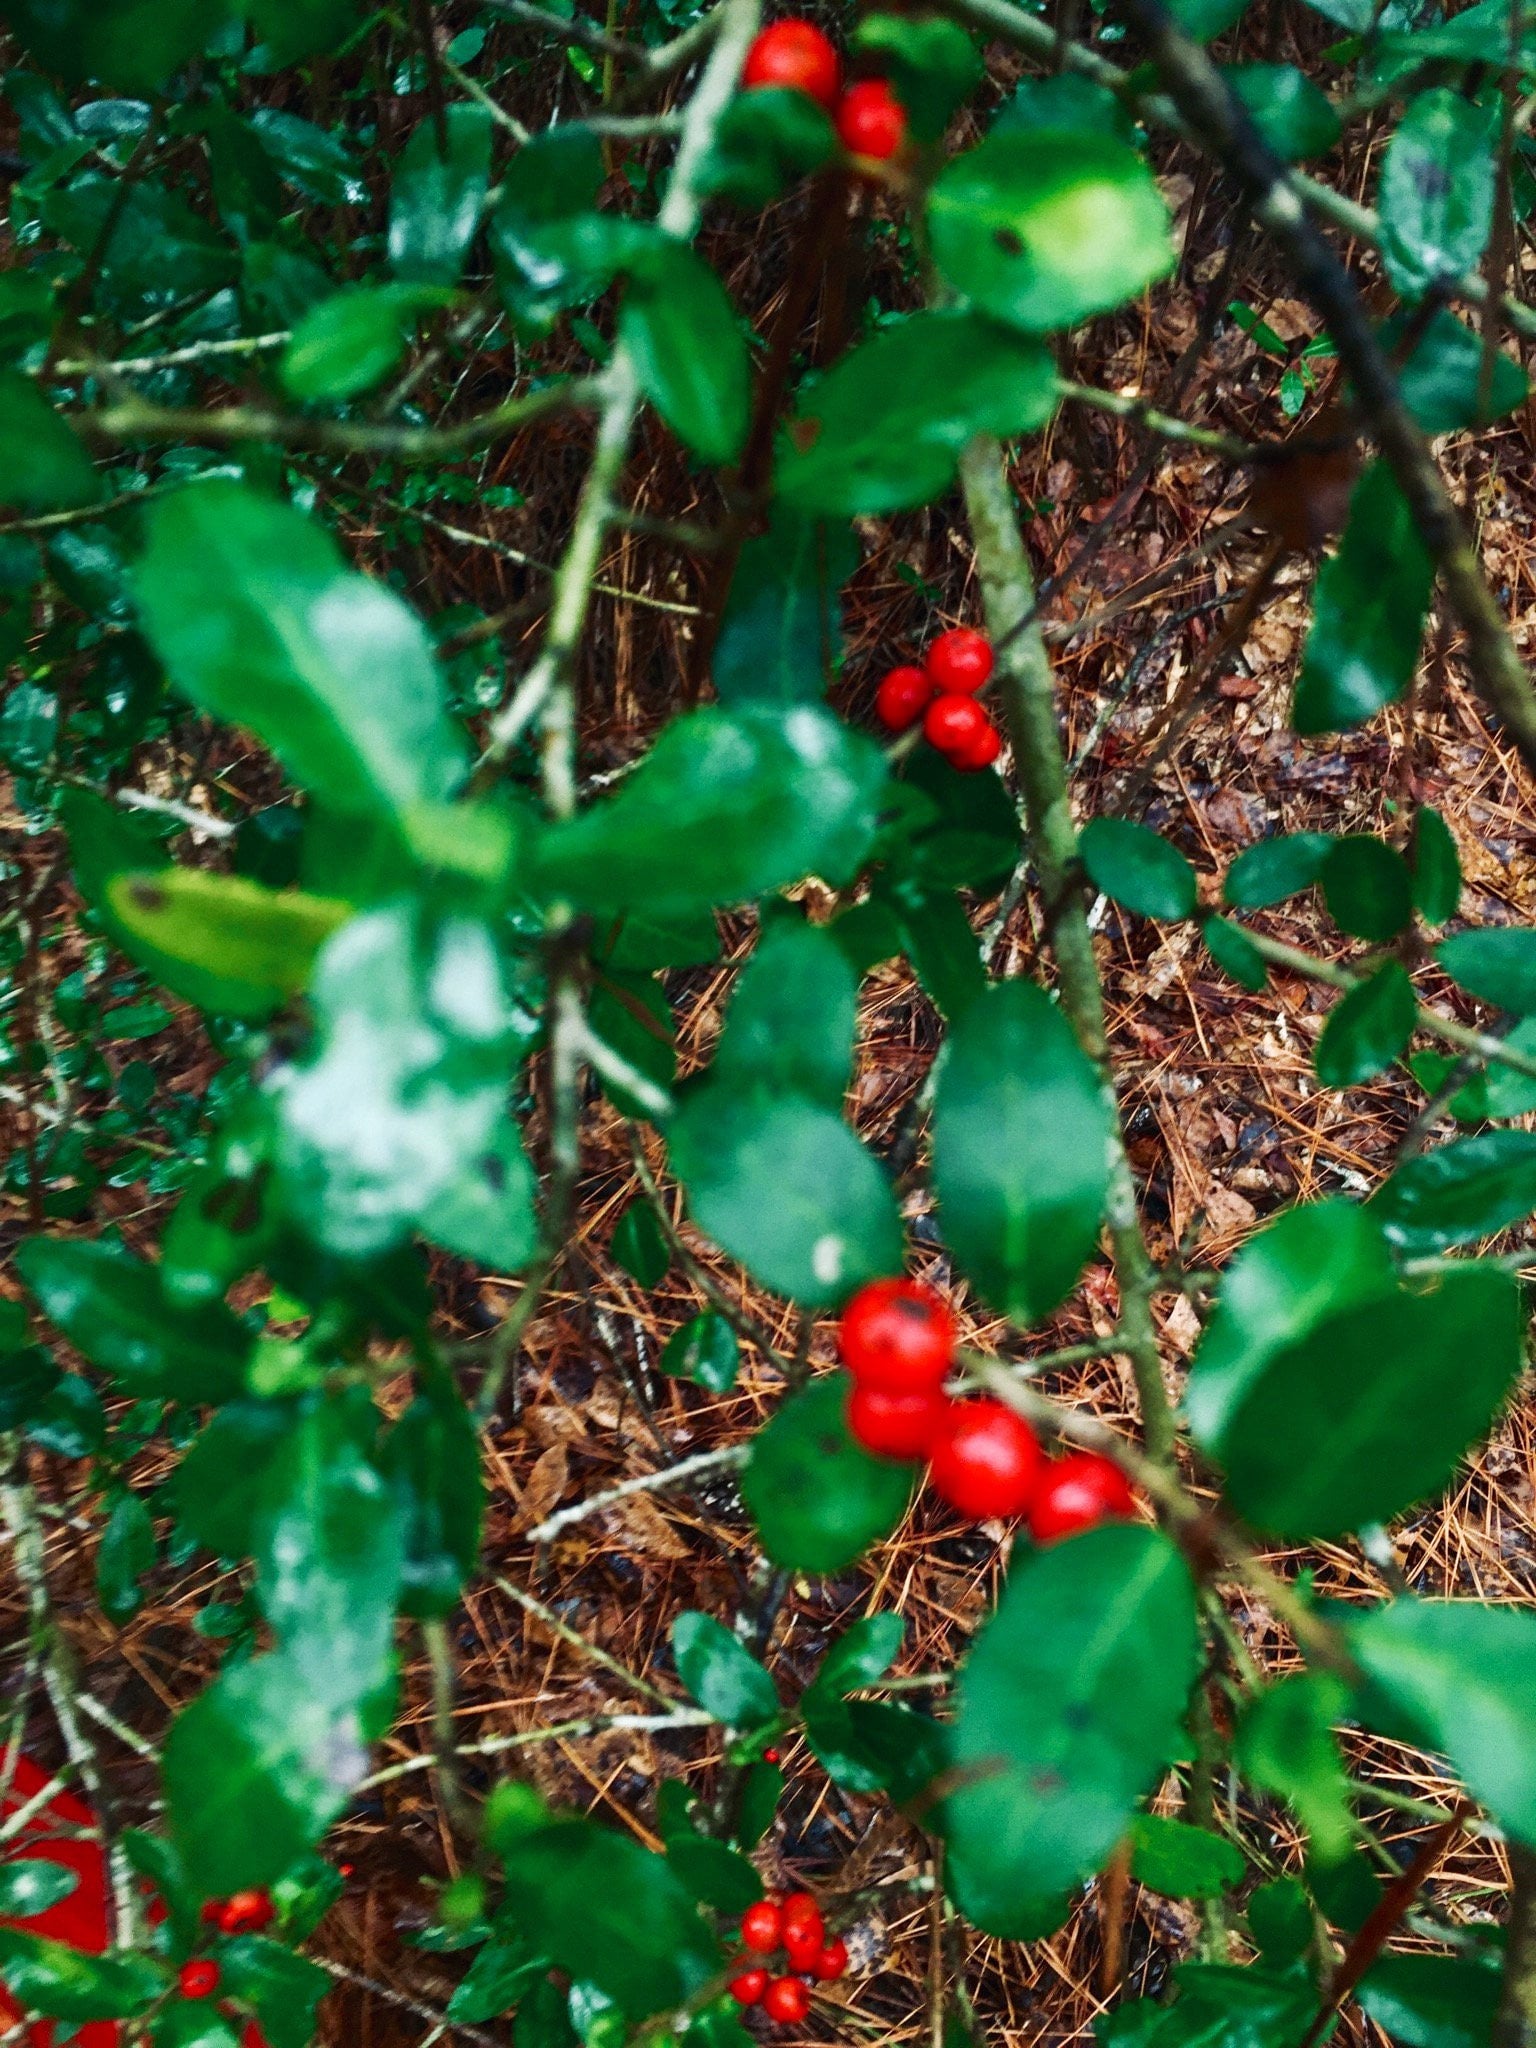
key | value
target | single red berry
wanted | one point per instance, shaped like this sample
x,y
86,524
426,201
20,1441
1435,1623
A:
x,y
212,1912
248,1912
832,1961
345,1869
773,1756
959,660
748,1988
984,750
1078,1492
795,54
199,1978
798,1909
902,698
871,121
786,2000
955,724
897,1335
805,1932
762,1927
987,1462
896,1425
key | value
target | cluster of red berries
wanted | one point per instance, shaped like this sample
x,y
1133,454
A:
x,y
942,693
249,1912
795,1926
897,1339
870,121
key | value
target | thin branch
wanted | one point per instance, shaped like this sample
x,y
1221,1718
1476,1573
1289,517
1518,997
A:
x,y
557,1626
1142,413
729,1460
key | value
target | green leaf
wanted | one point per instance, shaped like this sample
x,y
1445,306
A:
x,y
1459,1193
259,943
1436,867
1441,378
497,1979
281,1988
126,1552
932,63
1437,191
864,1652
1285,1745
1137,868
683,337
1499,1091
352,340
727,805
723,1676
1021,1140
781,634
769,139
1432,2001
1371,601
294,29
551,249
1332,1395
1218,2005
608,1911
715,1874
818,1499
487,1213
258,620
1280,1921
113,1309
219,1483
43,468
1496,966
1065,100
1460,1678
31,1884
27,1378
404,1098
791,1023
132,44
783,1185
1069,1707
640,1246
1235,953
934,930
884,430
1183,1862
1367,1029
1294,116
1207,19
432,1459
52,1977
705,1351
1273,869
1368,887
437,196
1043,229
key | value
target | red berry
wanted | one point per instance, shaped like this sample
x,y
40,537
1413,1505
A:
x,y
199,1978
959,660
773,1756
897,1335
749,1987
832,1961
987,1461
786,2000
762,1927
955,724
798,1909
803,1945
1078,1492
982,753
896,1425
795,54
247,1912
871,121
901,699
212,1912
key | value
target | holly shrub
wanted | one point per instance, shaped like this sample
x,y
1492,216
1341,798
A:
x,y
291,291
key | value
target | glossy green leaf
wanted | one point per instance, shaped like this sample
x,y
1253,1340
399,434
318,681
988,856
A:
x,y
1069,1708
885,428
631,1016
1436,867
552,249
1285,1744
728,805
1498,966
721,1673
437,195
113,1309
1332,1395
260,622
1368,1028
681,333
1369,609
302,28
1183,1862
1207,19
1459,1193
54,1978
781,638
281,1988
791,1020
258,942
126,1552
768,139
1498,1091
1273,869
1218,2005
432,1459
1280,1921
1460,1678
219,1484
1432,2001
932,63
352,340
133,44
1437,190
1294,116
1137,868
1021,1140
31,1884
864,1651
1441,378
1235,953
487,1213
499,1975
43,467
1368,887
818,1499
934,930
706,1351
1043,229
640,1246
715,1874
28,1378
1065,100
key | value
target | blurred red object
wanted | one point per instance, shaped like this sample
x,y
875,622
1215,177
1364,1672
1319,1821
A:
x,y
51,1835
